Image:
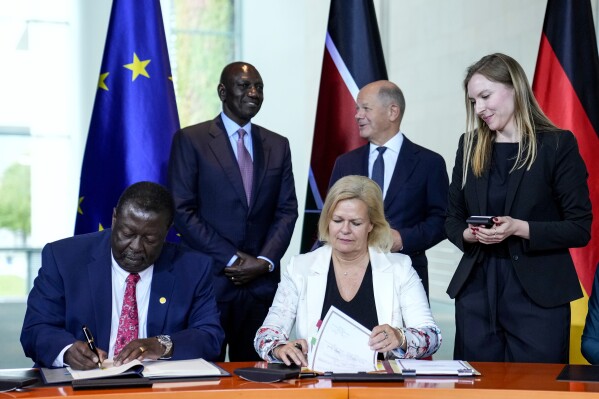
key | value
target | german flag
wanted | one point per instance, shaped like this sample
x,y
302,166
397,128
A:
x,y
566,85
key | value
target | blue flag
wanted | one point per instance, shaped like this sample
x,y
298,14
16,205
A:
x,y
134,116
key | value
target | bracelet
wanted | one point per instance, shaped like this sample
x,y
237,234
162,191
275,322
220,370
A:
x,y
403,337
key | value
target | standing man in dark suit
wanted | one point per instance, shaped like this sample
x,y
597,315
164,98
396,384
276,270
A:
x,y
413,179
235,200
141,297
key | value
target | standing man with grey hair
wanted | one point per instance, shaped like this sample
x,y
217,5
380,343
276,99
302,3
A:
x,y
413,179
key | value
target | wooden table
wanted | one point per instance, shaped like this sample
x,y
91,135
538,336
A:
x,y
498,380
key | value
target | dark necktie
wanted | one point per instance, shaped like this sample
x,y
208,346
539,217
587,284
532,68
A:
x,y
378,169
245,165
128,322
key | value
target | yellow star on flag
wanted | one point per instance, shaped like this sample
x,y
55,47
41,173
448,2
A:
x,y
100,227
138,67
102,81
79,210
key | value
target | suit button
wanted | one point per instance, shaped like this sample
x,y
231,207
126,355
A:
x,y
515,257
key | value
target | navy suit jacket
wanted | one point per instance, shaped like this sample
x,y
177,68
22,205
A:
x,y
212,214
74,287
416,199
590,335
553,197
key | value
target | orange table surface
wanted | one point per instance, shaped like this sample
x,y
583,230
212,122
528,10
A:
x,y
498,380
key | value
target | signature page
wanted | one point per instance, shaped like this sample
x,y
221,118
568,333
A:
x,y
342,345
108,370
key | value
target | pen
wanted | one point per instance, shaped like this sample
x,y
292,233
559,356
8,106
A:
x,y
90,342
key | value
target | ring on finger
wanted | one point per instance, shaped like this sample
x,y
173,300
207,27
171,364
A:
x,y
142,349
385,334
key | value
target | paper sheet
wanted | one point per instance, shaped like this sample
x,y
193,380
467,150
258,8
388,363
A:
x,y
152,369
108,370
342,345
436,367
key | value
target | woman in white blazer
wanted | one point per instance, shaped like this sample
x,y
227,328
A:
x,y
354,270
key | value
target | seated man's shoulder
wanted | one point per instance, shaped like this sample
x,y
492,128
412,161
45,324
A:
x,y
84,242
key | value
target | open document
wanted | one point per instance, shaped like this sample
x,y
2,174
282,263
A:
x,y
342,345
148,368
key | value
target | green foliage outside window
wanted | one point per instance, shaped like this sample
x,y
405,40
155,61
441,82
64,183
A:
x,y
204,42
15,201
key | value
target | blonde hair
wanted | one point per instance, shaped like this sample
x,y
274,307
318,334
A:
x,y
367,191
528,116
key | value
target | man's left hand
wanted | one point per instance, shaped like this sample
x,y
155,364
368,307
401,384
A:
x,y
247,269
140,349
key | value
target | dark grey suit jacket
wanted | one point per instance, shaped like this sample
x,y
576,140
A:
x,y
212,214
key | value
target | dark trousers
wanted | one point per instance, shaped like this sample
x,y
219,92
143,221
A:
x,y
496,321
240,318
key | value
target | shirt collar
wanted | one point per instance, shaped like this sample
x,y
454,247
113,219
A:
x,y
231,127
123,274
394,144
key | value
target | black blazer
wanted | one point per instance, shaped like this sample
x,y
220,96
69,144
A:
x,y
212,214
553,197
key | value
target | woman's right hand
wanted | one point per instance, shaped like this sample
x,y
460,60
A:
x,y
469,234
293,351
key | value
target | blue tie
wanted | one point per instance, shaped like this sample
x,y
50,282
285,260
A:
x,y
378,169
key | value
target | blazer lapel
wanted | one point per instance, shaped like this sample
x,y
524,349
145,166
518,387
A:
x,y
382,281
363,164
405,166
221,145
161,291
316,286
513,183
100,283
261,158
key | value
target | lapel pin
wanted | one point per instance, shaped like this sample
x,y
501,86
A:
x,y
163,300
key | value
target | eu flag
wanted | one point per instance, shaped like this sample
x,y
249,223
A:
x,y
134,116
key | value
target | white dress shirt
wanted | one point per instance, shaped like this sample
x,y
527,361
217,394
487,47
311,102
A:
x,y
142,294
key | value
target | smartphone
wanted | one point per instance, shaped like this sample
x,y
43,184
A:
x,y
485,221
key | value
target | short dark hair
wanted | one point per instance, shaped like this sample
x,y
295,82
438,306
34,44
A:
x,y
150,197
225,75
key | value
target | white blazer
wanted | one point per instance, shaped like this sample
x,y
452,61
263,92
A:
x,y
398,294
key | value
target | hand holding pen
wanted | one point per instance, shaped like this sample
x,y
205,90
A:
x,y
89,338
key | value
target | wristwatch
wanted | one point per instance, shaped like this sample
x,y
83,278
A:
x,y
165,340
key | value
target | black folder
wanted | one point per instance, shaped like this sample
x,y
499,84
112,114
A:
x,y
111,383
363,377
579,372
